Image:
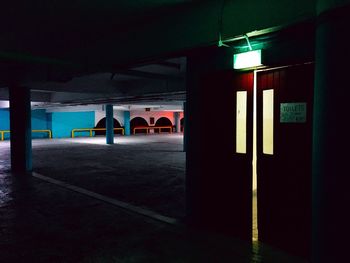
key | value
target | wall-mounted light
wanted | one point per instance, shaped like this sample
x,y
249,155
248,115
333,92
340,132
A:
x,y
248,59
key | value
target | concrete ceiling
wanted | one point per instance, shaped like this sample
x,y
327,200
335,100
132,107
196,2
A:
x,y
67,32
98,35
50,41
161,82
96,51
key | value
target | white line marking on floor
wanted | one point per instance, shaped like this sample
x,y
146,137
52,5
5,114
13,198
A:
x,y
121,204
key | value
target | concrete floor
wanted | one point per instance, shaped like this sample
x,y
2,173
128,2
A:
x,y
41,222
147,171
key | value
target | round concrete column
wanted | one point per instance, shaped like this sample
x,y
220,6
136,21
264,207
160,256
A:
x,y
177,122
127,123
331,178
109,124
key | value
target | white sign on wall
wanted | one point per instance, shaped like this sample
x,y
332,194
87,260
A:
x,y
293,112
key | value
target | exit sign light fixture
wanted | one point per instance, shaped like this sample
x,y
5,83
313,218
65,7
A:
x,y
248,59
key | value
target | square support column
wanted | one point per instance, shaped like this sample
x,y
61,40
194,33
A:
x,y
127,123
109,124
21,131
330,179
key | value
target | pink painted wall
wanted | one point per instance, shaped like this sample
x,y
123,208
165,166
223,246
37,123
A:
x,y
139,113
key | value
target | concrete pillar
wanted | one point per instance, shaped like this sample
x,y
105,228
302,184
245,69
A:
x,y
331,178
127,123
21,131
177,122
109,124
206,156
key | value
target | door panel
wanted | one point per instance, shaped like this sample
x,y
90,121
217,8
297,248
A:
x,y
284,174
240,161
226,171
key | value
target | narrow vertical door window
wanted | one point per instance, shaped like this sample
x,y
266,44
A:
x,y
268,121
241,122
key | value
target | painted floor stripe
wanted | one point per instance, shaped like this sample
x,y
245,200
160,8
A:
x,y
121,204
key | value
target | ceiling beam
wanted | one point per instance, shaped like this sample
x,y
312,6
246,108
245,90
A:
x,y
169,64
37,96
143,74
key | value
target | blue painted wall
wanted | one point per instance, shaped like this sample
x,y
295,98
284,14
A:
x,y
5,121
62,123
39,122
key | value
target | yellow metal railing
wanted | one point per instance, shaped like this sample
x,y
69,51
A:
x,y
94,129
48,131
2,132
153,128
141,128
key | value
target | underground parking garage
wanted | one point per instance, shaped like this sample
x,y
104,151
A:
x,y
225,134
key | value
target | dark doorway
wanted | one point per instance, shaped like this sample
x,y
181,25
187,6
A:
x,y
163,121
138,122
102,124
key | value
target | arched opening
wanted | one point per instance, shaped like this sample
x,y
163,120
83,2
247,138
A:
x,y
138,122
182,124
102,124
163,121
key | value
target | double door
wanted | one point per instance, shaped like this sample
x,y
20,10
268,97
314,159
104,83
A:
x,y
283,149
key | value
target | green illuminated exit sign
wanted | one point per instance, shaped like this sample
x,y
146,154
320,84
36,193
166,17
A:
x,y
248,59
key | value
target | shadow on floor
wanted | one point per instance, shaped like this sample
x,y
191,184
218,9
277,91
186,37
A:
x,y
41,222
